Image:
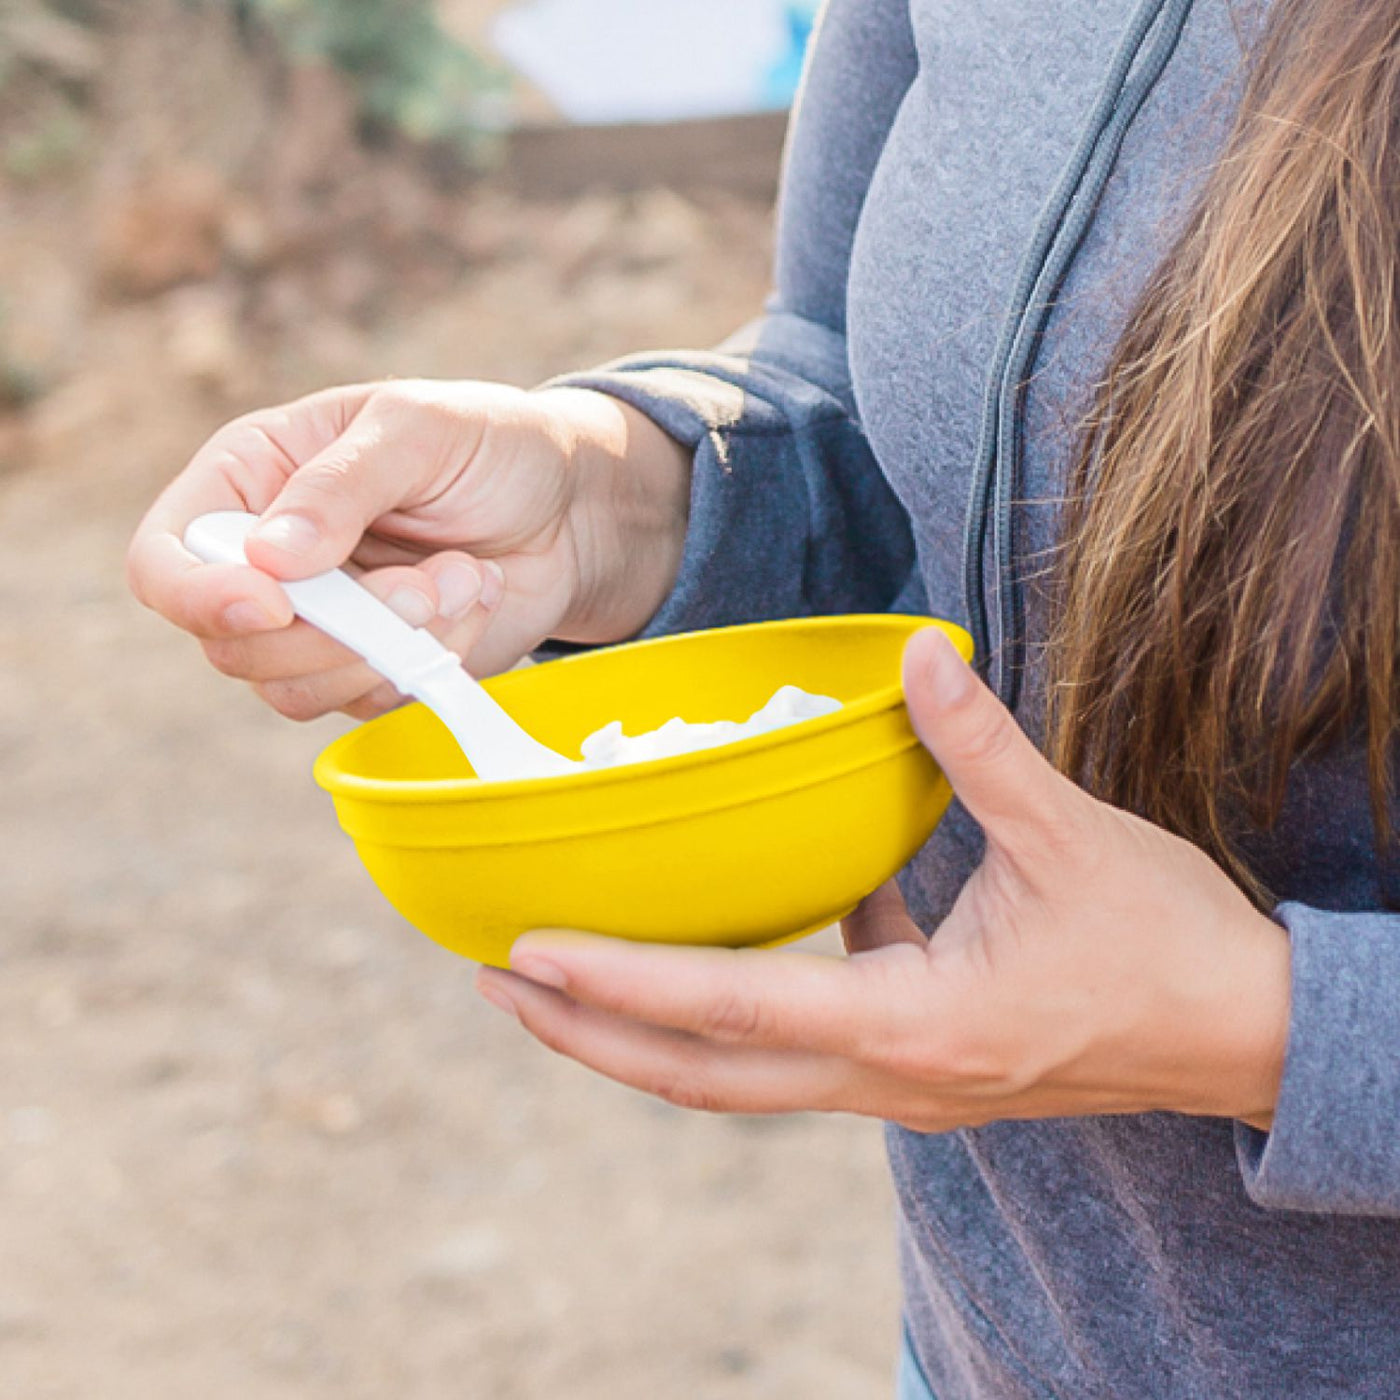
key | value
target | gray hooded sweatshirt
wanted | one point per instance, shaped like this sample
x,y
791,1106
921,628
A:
x,y
836,446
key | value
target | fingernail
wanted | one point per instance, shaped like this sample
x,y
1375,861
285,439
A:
x,y
412,606
498,997
950,677
459,586
294,534
534,969
249,617
493,584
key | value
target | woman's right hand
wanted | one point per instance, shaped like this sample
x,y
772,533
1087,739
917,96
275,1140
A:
x,y
497,518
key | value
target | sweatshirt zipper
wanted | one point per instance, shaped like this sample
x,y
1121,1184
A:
x,y
1058,236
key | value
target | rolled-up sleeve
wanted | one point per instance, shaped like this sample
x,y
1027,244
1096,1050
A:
x,y
1335,1142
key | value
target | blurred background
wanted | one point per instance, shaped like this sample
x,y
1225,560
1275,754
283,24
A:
x,y
258,1138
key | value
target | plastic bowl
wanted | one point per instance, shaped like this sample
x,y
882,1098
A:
x,y
757,842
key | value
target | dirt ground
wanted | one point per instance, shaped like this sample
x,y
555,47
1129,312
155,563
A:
x,y
258,1138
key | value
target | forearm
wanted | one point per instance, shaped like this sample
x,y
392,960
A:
x,y
1230,1011
789,513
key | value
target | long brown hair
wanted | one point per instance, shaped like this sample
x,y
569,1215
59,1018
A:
x,y
1228,587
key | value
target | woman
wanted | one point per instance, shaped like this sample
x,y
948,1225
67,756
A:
x,y
1119,278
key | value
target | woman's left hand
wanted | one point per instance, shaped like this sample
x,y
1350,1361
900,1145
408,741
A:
x,y
1092,964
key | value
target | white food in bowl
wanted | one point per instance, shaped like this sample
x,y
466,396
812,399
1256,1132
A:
x,y
609,747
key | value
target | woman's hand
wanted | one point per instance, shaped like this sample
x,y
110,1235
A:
x,y
496,517
1093,964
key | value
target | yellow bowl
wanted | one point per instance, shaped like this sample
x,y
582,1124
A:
x,y
756,842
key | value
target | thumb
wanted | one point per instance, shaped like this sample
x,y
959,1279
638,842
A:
x,y
997,772
318,518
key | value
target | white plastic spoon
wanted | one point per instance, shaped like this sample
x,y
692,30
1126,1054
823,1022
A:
x,y
497,748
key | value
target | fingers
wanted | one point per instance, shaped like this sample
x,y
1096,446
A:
x,y
765,1000
380,462
210,600
207,600
679,1068
384,697
881,920
299,649
999,775
461,581
242,467
296,650
303,674
309,697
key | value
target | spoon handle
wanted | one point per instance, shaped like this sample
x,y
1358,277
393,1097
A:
x,y
411,658
333,602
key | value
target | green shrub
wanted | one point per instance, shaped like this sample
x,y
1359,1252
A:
x,y
411,77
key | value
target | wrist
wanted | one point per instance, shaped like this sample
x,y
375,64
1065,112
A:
x,y
1247,1029
627,514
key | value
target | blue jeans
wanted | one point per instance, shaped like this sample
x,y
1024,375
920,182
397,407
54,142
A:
x,y
912,1384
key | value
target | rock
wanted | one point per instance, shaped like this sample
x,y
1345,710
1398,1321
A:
x,y
166,228
205,339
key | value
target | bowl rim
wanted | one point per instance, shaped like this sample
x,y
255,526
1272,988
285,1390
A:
x,y
329,775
